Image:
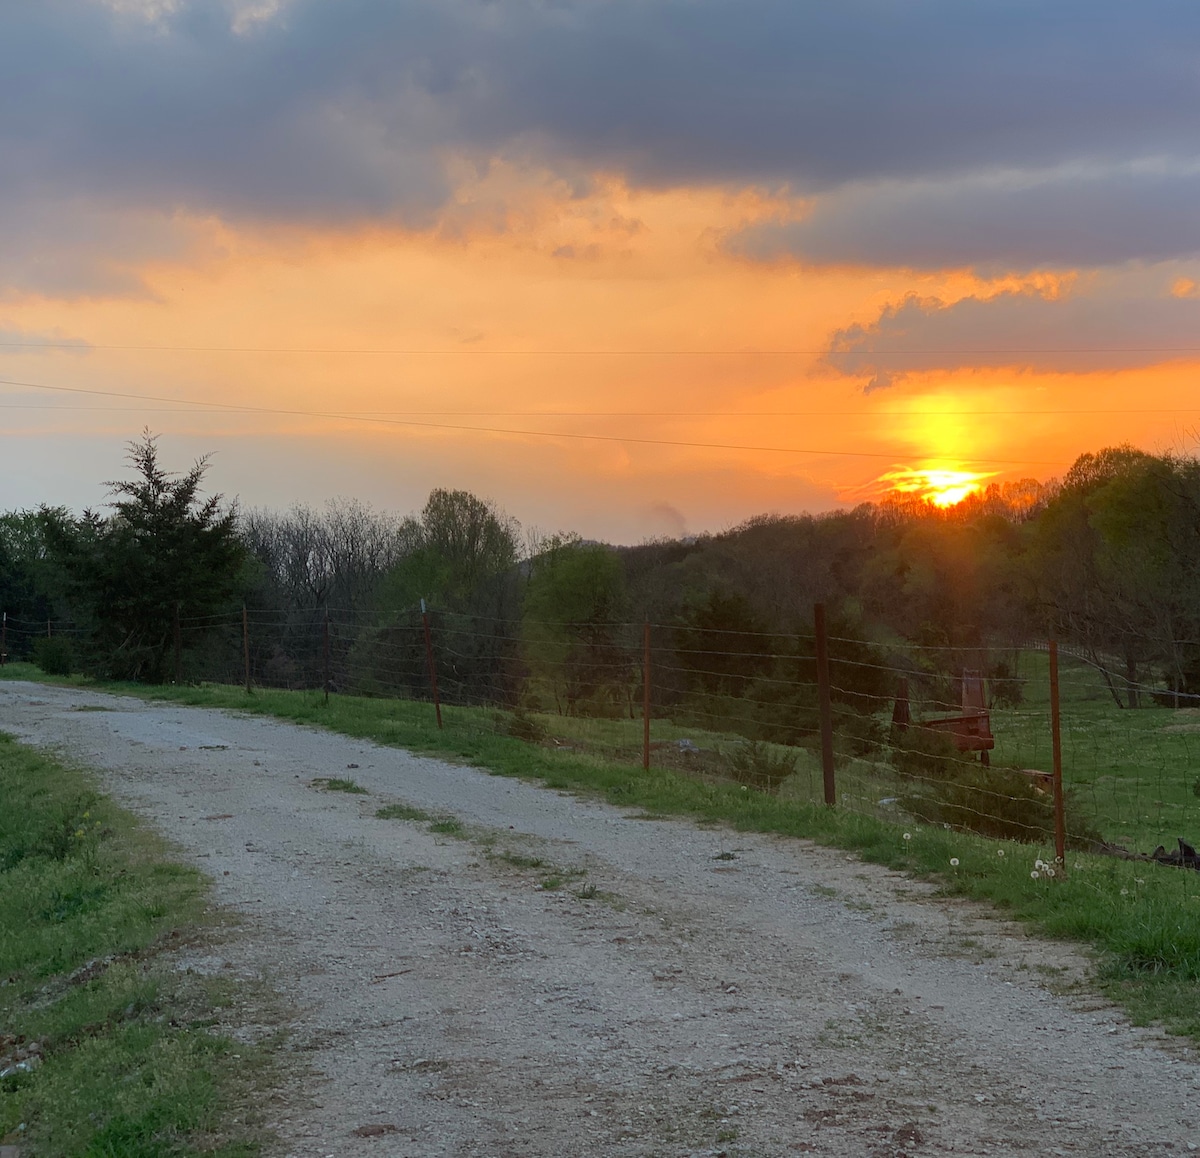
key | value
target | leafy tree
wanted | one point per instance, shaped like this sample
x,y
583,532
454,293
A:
x,y
1115,564
575,599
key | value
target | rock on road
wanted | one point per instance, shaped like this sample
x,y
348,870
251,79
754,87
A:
x,y
685,991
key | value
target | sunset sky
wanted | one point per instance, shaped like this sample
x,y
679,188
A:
x,y
629,267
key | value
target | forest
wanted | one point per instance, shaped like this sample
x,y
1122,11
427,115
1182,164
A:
x,y
167,584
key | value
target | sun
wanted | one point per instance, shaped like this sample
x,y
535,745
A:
x,y
940,486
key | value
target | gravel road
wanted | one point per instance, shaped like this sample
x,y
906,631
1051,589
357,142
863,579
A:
x,y
684,990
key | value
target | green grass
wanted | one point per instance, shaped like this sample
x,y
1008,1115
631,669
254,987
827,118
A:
x,y
1132,773
88,901
400,812
338,784
1142,920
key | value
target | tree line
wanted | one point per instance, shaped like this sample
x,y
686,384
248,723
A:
x,y
151,588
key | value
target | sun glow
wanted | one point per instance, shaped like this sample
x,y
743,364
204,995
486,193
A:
x,y
941,486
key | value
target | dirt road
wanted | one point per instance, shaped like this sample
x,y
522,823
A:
x,y
675,991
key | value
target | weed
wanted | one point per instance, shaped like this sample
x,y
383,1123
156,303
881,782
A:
x,y
588,893
400,812
337,784
522,861
447,826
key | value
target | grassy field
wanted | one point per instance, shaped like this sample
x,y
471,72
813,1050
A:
x,y
104,1049
1133,773
1142,920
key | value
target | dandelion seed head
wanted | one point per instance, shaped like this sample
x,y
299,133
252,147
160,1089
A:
x,y
1124,892
1049,871
908,836
954,861
999,852
1035,874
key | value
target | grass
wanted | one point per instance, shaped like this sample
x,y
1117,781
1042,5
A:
x,y
109,1049
338,784
1142,920
400,812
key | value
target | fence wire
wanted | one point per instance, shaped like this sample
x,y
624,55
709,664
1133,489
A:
x,y
746,706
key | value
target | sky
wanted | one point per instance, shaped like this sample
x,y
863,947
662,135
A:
x,y
636,268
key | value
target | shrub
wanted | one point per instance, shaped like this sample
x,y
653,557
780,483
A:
x,y
1001,803
521,726
54,655
924,754
756,766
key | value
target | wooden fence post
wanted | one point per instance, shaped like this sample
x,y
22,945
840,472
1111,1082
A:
x,y
1060,820
825,703
178,641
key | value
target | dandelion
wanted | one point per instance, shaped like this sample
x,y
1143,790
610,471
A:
x,y
999,852
1124,892
79,834
1039,863
908,836
1049,871
954,862
1035,874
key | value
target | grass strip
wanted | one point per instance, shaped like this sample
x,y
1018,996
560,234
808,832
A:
x,y
1142,920
104,1049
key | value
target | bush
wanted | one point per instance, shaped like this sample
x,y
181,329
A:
x,y
521,726
756,766
54,655
924,754
995,802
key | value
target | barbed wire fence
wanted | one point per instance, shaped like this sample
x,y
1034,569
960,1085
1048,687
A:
x,y
1026,742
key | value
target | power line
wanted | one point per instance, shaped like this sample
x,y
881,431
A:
x,y
660,413
624,439
82,346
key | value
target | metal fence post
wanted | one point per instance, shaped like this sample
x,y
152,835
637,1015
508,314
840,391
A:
x,y
437,704
646,696
1060,820
824,699
246,645
325,652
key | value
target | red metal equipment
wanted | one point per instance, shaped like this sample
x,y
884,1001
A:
x,y
971,731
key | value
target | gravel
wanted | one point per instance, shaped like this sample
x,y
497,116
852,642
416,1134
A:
x,y
650,988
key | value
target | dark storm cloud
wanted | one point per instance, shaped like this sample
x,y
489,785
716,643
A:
x,y
340,111
1058,220
1119,323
